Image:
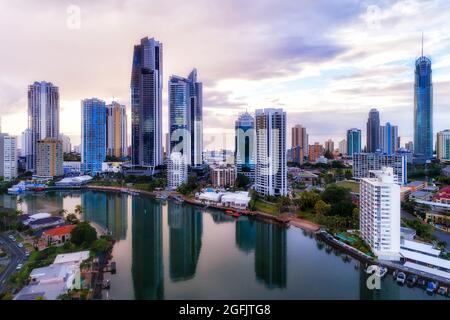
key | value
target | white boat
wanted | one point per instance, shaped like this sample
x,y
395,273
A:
x,y
401,278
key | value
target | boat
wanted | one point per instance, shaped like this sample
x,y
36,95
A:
x,y
443,291
421,283
401,278
15,190
106,284
431,287
411,280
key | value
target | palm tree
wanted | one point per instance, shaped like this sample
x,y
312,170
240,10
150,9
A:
x,y
79,209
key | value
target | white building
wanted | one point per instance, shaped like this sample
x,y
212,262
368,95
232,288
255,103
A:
x,y
9,157
271,173
363,163
66,144
177,170
343,147
443,145
380,214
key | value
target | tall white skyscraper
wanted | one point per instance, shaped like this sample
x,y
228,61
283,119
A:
x,y
343,147
8,148
116,130
67,146
146,104
26,149
43,114
380,214
177,170
271,174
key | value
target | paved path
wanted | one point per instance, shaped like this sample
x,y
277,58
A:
x,y
17,256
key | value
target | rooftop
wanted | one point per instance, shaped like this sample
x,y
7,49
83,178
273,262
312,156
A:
x,y
59,231
76,257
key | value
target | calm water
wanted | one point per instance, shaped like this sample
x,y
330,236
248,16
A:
x,y
173,251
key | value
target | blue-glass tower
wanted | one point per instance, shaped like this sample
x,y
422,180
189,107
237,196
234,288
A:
x,y
353,141
245,145
423,109
93,135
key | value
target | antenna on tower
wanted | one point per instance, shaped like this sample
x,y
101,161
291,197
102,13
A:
x,y
422,43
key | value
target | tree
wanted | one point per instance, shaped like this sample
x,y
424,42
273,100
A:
x,y
72,218
83,233
348,174
307,200
340,199
282,203
101,245
328,154
322,208
78,209
242,181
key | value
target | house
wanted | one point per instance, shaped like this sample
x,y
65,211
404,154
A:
x,y
56,279
443,196
57,236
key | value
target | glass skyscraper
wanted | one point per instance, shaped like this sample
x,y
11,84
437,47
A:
x,y
93,135
245,145
186,117
423,109
389,138
353,141
373,131
146,104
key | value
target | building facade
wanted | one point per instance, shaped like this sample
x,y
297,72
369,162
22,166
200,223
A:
x,y
329,146
177,170
300,139
343,147
423,109
244,153
49,162
116,130
315,151
9,157
26,149
373,131
186,117
380,214
223,176
67,146
146,104
353,141
443,145
363,163
43,115
93,135
271,173
389,141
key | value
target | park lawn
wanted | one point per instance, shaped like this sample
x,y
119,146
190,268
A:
x,y
266,207
141,186
352,185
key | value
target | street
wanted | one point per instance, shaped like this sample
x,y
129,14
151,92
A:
x,y
17,255
440,235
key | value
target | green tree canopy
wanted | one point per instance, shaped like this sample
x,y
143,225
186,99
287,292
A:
x,y
83,233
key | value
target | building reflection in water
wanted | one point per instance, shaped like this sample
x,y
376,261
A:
x,y
246,235
185,240
108,210
42,202
270,255
147,249
220,217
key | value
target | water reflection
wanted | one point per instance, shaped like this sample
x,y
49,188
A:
x,y
107,211
185,240
245,235
270,254
147,249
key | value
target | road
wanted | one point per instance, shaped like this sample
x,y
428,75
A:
x,y
17,255
440,235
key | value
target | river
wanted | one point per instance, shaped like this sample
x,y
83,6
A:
x,y
178,251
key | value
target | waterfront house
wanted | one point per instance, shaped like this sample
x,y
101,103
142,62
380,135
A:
x,y
57,236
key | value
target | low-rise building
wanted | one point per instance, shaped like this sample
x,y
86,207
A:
x,y
442,196
421,195
223,176
52,281
57,236
73,181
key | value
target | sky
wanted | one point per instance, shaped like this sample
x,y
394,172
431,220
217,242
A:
x,y
326,63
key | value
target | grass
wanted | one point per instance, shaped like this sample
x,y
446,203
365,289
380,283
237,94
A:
x,y
352,185
266,207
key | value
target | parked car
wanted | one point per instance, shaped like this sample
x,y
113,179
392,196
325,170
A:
x,y
20,245
19,266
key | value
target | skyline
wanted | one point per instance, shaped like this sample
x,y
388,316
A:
x,y
327,79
